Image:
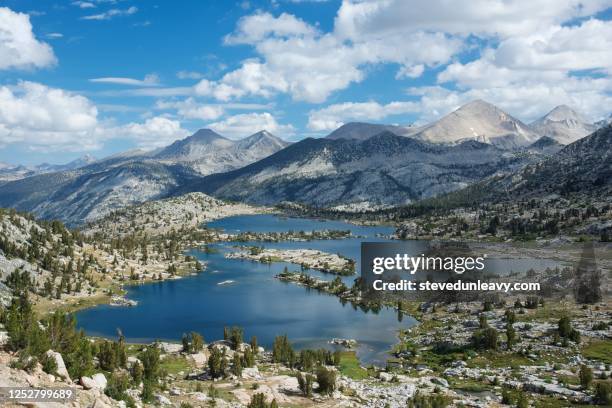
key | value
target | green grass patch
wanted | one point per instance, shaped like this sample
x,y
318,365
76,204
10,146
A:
x,y
569,379
428,326
499,359
544,401
225,394
550,311
411,308
175,364
552,402
350,367
470,386
599,350
436,361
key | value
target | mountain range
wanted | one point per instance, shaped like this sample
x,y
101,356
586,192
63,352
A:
x,y
359,164
9,172
89,192
484,122
208,152
385,169
584,167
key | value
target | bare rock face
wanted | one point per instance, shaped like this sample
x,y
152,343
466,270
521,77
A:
x,y
61,367
13,377
162,400
88,383
276,388
97,381
583,166
101,403
170,347
100,380
251,373
200,358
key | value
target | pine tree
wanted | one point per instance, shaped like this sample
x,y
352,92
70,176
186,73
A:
x,y
150,358
510,335
326,379
137,373
586,376
235,337
248,358
237,365
216,363
185,342
305,382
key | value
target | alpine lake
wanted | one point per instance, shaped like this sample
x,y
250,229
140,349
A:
x,y
244,293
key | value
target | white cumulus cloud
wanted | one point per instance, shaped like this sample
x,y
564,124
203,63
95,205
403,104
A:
x,y
83,4
532,73
19,48
357,19
254,28
556,47
296,58
51,119
47,118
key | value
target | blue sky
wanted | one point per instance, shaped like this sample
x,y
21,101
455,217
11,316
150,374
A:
x,y
103,76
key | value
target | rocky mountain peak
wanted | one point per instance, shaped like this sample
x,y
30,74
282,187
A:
x,y
479,120
192,147
563,124
204,135
563,112
478,105
262,134
363,131
82,161
262,140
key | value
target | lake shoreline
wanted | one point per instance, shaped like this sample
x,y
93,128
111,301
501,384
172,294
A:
x,y
191,249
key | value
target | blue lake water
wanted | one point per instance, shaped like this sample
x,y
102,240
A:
x,y
255,300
